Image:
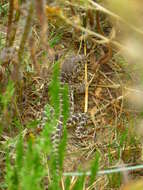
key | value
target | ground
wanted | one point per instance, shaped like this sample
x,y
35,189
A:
x,y
107,75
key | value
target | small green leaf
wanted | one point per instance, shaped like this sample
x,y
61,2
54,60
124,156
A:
x,y
5,99
54,89
94,168
79,183
62,148
55,40
67,183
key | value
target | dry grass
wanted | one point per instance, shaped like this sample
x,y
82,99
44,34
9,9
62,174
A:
x,y
111,126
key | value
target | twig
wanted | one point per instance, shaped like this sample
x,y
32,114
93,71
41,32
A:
x,y
102,9
86,82
104,172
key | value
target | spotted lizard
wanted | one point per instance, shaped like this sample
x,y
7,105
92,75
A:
x,y
70,69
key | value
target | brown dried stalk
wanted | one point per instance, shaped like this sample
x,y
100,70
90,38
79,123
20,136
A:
x,y
90,15
14,26
33,56
9,25
26,32
106,57
41,15
72,9
17,65
40,4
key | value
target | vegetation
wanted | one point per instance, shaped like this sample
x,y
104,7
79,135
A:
x,y
36,40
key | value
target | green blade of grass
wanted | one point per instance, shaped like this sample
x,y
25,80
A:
x,y
67,183
94,168
79,183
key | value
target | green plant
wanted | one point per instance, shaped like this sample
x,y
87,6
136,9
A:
x,y
32,161
27,170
